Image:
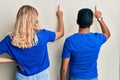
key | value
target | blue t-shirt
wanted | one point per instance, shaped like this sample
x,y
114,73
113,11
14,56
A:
x,y
33,60
83,49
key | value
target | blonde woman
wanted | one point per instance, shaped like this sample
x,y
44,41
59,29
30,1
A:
x,y
27,44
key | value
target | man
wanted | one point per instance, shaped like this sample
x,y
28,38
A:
x,y
81,49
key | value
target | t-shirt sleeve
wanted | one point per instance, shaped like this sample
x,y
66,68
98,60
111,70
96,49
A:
x,y
50,35
3,46
101,38
66,50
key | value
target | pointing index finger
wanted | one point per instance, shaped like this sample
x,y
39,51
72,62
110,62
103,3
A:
x,y
58,7
95,8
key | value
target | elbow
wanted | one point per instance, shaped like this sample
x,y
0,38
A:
x,y
109,35
59,35
62,34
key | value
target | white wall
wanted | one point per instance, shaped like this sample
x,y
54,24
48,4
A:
x,y
108,62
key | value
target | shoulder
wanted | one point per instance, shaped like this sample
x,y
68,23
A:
x,y
100,35
41,31
46,34
71,37
7,37
45,31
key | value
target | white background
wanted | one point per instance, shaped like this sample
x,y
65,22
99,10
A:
x,y
108,62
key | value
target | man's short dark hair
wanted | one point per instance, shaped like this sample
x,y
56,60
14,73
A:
x,y
85,18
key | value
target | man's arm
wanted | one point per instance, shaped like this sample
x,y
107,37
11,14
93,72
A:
x,y
60,31
104,27
64,68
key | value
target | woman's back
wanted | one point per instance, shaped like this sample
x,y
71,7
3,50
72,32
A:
x,y
34,59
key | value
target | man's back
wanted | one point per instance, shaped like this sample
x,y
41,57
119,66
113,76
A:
x,y
83,49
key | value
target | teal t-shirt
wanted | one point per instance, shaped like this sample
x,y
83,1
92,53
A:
x,y
83,50
33,60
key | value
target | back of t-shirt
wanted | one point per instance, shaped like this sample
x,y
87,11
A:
x,y
33,60
83,49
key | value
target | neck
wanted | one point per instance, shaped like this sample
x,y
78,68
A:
x,y
84,30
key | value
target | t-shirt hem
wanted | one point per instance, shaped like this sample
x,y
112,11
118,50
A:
x,y
31,74
83,77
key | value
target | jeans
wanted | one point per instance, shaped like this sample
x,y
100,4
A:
x,y
44,75
83,79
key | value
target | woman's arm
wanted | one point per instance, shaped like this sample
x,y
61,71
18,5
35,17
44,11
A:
x,y
60,31
8,60
5,60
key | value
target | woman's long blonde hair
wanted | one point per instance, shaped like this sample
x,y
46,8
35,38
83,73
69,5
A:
x,y
26,25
